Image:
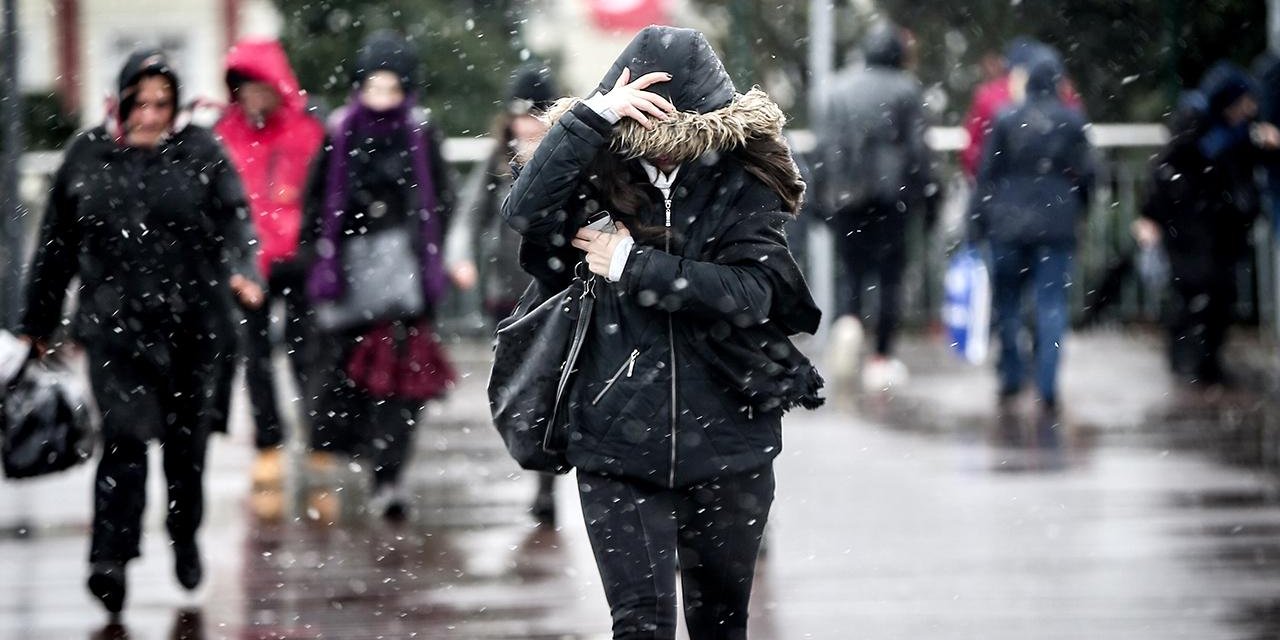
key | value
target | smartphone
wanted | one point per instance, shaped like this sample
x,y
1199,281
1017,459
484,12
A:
x,y
601,221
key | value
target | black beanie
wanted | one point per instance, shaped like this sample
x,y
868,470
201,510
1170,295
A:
x,y
142,63
532,88
386,51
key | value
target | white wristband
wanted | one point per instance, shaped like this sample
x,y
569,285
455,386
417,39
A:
x,y
618,262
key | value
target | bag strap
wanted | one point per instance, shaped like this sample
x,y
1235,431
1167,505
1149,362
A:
x,y
554,440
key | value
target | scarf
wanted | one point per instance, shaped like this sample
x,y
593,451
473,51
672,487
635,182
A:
x,y
325,281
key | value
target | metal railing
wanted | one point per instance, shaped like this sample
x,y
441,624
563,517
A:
x,y
1124,153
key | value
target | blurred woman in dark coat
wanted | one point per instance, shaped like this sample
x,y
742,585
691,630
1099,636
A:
x,y
151,217
380,170
1203,202
478,227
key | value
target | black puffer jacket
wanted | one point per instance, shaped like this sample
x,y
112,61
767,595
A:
x,y
154,236
688,366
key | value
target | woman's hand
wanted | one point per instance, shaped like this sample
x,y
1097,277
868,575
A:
x,y
630,99
248,292
39,348
599,247
1146,232
464,275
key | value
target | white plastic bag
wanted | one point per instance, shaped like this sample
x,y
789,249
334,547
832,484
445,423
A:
x,y
966,309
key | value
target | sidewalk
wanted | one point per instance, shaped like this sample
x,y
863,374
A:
x,y
916,517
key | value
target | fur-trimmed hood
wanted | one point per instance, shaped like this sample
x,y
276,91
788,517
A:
x,y
690,135
711,116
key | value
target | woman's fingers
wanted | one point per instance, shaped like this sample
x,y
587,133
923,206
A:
x,y
634,113
658,100
645,105
650,78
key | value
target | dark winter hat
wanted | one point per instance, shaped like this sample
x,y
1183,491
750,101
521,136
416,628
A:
x,y
884,46
387,51
532,88
1188,114
140,64
1021,51
1044,72
1223,84
699,82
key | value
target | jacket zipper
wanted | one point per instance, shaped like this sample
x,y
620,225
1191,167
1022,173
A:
x,y
671,342
628,367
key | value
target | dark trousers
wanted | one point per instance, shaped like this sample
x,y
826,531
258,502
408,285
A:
x,y
642,534
1201,315
872,245
289,287
136,402
349,421
1046,270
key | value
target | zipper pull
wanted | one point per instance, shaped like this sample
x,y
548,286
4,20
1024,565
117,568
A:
x,y
667,204
631,362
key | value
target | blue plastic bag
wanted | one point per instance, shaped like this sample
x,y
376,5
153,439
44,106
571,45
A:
x,y
966,308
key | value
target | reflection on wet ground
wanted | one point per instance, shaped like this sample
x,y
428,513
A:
x,y
1143,510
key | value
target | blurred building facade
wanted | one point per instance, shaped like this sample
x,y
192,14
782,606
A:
x,y
74,48
585,36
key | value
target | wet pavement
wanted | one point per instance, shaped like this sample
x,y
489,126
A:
x,y
1150,510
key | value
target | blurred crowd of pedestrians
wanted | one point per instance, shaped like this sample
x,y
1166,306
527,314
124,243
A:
x,y
1030,171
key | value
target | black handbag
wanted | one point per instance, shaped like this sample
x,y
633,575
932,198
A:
x,y
535,356
45,421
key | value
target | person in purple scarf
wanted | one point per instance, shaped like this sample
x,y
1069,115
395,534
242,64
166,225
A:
x,y
380,170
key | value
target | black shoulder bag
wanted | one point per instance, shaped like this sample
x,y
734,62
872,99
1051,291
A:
x,y
534,361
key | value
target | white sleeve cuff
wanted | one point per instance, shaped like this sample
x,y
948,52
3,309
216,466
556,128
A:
x,y
618,262
597,104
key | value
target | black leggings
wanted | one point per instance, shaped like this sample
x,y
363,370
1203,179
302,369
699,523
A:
x,y
711,532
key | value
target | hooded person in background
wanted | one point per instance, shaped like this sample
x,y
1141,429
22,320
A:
x,y
676,409
479,227
994,95
1202,206
1031,195
271,140
876,171
381,171
152,218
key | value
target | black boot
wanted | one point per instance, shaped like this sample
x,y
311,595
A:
x,y
186,564
107,583
544,503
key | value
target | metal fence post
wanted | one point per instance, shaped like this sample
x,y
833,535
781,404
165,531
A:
x,y
11,233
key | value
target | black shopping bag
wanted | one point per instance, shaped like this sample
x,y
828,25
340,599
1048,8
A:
x,y
45,422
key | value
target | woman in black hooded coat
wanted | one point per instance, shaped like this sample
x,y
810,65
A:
x,y
677,407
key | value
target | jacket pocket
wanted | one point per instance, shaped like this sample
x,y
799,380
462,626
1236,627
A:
x,y
628,368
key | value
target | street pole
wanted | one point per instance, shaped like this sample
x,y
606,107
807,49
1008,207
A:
x,y
822,54
11,227
1273,26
